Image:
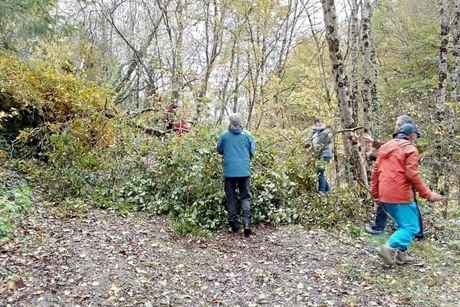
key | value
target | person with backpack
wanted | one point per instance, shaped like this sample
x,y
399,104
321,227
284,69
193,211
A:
x,y
238,147
321,139
394,176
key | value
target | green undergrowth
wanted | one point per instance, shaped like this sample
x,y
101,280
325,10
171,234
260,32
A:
x,y
15,202
182,177
67,136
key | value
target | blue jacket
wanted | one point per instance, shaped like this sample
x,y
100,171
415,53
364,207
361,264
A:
x,y
238,147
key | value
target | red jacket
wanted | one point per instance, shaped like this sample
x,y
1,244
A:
x,y
181,127
396,173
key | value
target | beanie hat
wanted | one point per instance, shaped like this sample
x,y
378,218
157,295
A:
x,y
404,119
408,129
235,121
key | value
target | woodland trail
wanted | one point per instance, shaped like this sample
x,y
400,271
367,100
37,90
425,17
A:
x,y
104,259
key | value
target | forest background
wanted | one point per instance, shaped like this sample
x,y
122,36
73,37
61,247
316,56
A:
x,y
87,89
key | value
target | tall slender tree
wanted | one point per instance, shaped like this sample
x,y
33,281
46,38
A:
x,y
341,86
354,46
366,50
442,112
456,52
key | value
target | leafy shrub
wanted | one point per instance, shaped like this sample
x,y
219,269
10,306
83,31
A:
x,y
93,174
186,182
14,202
39,100
89,158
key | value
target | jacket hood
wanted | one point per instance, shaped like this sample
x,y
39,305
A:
x,y
388,148
235,129
317,130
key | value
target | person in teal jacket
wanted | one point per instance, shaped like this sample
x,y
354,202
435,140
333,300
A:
x,y
237,146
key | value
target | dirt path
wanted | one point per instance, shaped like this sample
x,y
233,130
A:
x,y
108,260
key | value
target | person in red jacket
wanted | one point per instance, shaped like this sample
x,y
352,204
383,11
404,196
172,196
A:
x,y
372,146
181,127
394,176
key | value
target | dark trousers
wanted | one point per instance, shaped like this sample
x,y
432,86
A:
x,y
323,185
238,195
380,219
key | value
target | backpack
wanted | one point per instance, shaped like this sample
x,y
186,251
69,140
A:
x,y
321,139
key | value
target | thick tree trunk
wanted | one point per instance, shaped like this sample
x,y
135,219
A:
x,y
456,52
375,105
354,43
441,114
442,68
366,50
341,85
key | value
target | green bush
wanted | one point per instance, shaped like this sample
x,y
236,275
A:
x,y
73,142
39,101
186,182
14,202
184,179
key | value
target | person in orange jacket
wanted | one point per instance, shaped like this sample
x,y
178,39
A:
x,y
372,146
394,176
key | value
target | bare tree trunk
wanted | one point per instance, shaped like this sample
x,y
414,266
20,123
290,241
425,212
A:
x,y
213,47
456,52
236,88
320,46
341,85
366,50
375,106
354,42
138,54
441,95
223,92
177,76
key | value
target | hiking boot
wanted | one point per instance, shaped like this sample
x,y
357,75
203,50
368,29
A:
x,y
404,258
388,254
371,230
247,232
234,228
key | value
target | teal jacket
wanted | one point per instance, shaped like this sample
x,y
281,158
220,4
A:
x,y
238,147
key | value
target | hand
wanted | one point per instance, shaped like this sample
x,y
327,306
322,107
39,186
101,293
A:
x,y
436,197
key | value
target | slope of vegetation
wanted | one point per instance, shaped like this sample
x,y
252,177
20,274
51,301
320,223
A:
x,y
84,154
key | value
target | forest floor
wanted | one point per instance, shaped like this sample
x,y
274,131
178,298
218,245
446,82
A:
x,y
104,259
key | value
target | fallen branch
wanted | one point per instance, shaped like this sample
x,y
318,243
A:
x,y
349,130
148,130
130,115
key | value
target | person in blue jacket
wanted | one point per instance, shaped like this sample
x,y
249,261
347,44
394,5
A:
x,y
238,148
